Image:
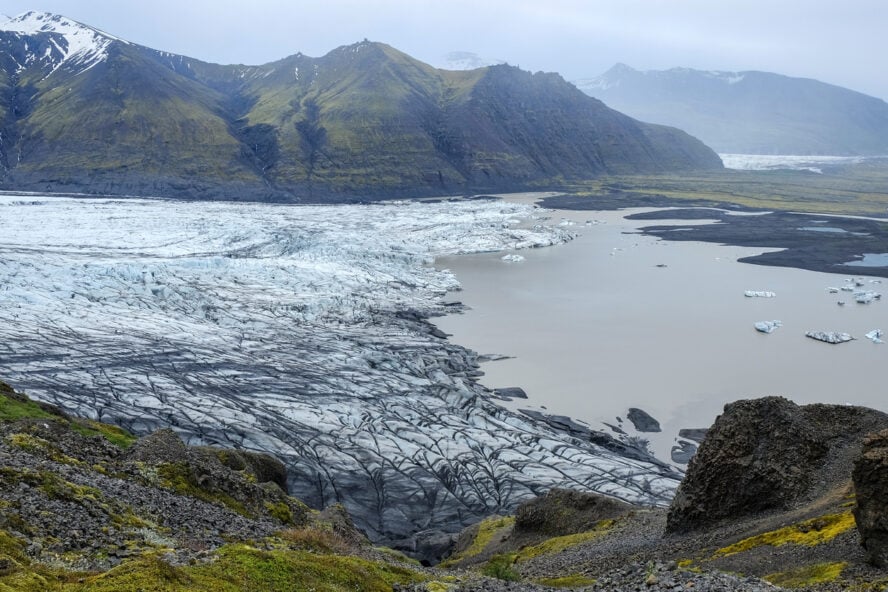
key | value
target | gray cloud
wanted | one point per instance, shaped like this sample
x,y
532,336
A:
x,y
841,43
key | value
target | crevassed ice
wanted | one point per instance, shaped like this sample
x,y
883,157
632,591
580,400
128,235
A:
x,y
293,330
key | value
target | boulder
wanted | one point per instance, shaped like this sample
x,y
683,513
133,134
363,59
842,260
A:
x,y
565,511
162,446
769,454
871,485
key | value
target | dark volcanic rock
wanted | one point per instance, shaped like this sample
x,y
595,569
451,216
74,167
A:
x,y
871,485
642,420
565,511
769,454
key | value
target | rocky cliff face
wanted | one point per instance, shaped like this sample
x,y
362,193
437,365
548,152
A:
x,y
769,454
101,115
871,486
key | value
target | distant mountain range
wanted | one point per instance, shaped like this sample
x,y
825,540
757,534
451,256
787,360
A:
x,y
84,111
749,112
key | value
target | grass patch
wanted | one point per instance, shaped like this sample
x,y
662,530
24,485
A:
x,y
312,538
486,529
501,568
234,568
571,581
52,485
559,544
809,533
809,575
856,190
12,408
116,435
36,445
177,477
280,511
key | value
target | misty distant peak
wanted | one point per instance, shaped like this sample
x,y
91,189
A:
x,y
749,112
466,60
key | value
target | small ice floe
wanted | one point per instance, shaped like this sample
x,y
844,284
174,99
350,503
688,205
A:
x,y
832,290
767,326
859,283
847,288
566,222
513,258
833,337
841,303
759,294
866,297
875,336
875,281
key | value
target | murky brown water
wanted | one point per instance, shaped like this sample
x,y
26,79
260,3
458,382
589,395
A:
x,y
595,327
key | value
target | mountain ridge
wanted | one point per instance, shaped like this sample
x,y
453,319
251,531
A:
x,y
365,120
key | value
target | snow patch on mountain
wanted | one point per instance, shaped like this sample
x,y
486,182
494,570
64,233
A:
x,y
75,44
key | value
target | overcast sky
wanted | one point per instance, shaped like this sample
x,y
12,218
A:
x,y
842,42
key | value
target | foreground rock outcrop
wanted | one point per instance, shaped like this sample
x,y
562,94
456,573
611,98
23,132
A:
x,y
769,454
776,477
87,507
871,486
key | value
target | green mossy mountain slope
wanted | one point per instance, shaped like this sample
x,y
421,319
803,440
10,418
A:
x,y
365,120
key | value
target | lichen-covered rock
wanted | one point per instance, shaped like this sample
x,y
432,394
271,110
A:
x,y
565,511
264,467
871,484
768,454
161,446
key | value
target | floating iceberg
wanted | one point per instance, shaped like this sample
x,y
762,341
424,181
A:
x,y
866,297
767,326
875,336
759,294
511,258
833,337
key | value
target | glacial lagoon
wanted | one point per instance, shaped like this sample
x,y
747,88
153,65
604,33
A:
x,y
615,319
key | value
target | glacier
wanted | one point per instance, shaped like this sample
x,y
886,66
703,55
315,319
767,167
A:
x,y
302,331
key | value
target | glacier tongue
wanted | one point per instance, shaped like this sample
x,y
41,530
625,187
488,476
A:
x,y
295,330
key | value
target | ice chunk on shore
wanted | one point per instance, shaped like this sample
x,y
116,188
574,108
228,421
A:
x,y
875,336
512,258
833,337
767,326
759,294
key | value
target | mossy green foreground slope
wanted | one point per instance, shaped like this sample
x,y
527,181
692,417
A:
x,y
363,121
85,506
